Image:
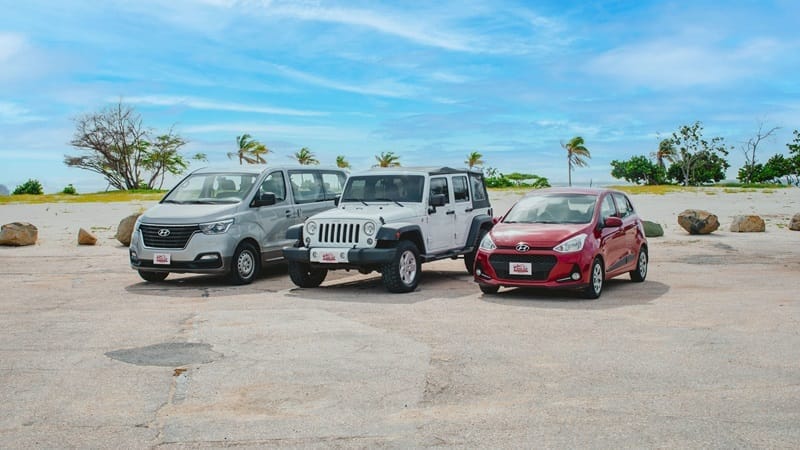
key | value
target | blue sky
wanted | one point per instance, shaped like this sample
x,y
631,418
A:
x,y
430,81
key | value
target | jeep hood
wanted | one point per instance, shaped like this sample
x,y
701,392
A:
x,y
176,214
390,212
534,234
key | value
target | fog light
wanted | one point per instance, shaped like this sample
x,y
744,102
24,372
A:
x,y
209,257
314,254
478,272
134,256
576,276
369,241
308,240
341,255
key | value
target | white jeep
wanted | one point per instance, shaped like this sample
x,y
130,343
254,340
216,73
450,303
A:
x,y
392,220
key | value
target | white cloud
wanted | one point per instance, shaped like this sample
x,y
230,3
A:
x,y
685,62
11,113
11,44
384,88
199,103
279,131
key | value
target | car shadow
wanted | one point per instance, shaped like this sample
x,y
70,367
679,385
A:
x,y
271,279
617,293
369,289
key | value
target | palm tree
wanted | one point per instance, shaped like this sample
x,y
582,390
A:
x,y
576,152
250,150
666,151
305,157
474,159
388,159
342,163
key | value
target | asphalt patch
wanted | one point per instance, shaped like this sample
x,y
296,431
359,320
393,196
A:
x,y
167,354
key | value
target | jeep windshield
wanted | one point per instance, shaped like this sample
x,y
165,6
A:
x,y
384,188
212,188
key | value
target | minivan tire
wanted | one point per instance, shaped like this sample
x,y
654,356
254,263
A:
x,y
153,277
304,276
245,264
402,273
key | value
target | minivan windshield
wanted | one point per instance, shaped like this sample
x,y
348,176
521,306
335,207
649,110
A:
x,y
384,188
212,188
558,208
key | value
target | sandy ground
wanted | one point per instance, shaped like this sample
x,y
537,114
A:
x,y
705,353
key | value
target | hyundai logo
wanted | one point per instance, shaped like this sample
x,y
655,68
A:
x,y
164,232
522,247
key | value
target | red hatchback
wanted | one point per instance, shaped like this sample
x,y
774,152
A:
x,y
563,238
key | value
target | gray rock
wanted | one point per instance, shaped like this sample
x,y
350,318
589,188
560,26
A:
x,y
748,224
18,234
652,229
794,224
125,229
697,221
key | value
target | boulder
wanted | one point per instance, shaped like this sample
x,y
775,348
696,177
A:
x,y
3,190
86,237
18,233
697,221
748,224
652,229
125,229
794,224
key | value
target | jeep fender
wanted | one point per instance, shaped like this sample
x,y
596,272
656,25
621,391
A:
x,y
295,232
395,232
478,222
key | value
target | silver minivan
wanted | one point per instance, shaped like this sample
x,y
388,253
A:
x,y
229,221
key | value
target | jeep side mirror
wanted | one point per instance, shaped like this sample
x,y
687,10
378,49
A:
x,y
336,200
437,200
264,199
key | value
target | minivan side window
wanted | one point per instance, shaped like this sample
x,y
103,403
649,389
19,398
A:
x,y
306,186
332,184
274,183
460,189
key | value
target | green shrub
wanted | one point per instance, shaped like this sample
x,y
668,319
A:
x,y
29,187
70,190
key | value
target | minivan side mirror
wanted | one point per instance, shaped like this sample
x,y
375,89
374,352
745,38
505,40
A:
x,y
437,200
612,221
263,199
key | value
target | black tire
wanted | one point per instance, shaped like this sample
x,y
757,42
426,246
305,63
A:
x,y
304,276
153,277
489,289
245,264
597,275
640,273
469,258
402,274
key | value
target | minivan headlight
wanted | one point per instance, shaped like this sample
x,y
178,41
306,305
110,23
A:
x,y
311,227
216,227
487,243
571,245
369,228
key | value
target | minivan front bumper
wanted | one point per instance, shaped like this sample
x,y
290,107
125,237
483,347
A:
x,y
204,253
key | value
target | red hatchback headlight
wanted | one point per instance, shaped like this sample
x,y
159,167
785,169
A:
x,y
571,245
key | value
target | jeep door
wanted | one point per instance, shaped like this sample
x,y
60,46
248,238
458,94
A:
x,y
275,219
441,219
462,205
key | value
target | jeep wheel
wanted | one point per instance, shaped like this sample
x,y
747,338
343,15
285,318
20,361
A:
x,y
469,258
153,277
304,276
245,264
402,274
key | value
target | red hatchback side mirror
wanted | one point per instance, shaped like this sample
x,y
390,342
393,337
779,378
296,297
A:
x,y
612,222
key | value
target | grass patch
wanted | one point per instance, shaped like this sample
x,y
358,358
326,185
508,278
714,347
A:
x,y
727,188
97,197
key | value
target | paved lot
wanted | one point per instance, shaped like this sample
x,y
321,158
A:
x,y
706,353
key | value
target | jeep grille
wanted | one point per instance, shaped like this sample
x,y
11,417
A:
x,y
339,233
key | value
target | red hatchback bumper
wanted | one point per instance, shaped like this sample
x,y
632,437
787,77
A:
x,y
544,269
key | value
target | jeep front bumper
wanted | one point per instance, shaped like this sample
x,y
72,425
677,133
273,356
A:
x,y
355,256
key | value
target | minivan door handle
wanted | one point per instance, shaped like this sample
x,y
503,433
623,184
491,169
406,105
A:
x,y
288,213
450,212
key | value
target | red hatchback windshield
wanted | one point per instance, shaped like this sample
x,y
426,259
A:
x,y
555,208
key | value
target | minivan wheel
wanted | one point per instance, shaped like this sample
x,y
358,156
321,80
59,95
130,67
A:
x,y
469,258
596,279
303,275
245,264
153,277
640,273
402,274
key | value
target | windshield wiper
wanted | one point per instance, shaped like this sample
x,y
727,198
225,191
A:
x,y
389,200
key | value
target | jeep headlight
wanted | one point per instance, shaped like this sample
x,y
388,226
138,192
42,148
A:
x,y
216,227
369,228
311,227
487,243
571,245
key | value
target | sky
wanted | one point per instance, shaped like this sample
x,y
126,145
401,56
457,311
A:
x,y
429,81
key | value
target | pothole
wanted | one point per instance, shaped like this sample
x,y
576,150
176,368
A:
x,y
167,354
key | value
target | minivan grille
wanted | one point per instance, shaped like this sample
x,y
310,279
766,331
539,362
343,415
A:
x,y
339,233
155,237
